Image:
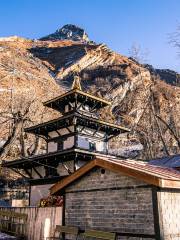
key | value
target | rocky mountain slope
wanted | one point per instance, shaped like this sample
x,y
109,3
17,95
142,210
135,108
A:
x,y
33,71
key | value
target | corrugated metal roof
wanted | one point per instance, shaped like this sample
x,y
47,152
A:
x,y
169,161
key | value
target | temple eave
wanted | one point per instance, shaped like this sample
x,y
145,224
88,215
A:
x,y
83,120
53,158
71,95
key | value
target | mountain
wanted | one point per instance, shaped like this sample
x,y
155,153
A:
x,y
167,75
33,71
68,31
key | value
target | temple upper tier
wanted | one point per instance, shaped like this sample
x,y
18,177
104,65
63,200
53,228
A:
x,y
76,99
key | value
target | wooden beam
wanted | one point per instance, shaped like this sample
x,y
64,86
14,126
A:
x,y
69,129
58,133
37,172
70,104
48,136
88,135
96,131
28,173
93,109
16,171
82,103
83,127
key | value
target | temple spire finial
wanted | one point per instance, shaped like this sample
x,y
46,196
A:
x,y
76,83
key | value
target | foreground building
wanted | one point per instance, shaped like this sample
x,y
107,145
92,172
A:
x,y
75,138
136,200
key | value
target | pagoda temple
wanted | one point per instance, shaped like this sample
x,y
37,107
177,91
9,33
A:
x,y
73,139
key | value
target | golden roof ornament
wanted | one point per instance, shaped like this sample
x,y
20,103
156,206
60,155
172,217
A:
x,y
76,83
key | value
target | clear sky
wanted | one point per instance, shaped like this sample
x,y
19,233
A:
x,y
118,23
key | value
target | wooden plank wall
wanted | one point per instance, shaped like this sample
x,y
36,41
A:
x,y
41,221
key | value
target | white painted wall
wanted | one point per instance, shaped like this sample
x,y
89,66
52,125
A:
x,y
53,134
100,146
83,142
68,143
52,147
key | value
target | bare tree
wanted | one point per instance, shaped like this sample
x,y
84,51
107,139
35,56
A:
x,y
16,119
139,54
18,112
174,39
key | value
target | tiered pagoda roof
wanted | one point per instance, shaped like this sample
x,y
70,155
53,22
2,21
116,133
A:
x,y
76,94
67,120
75,116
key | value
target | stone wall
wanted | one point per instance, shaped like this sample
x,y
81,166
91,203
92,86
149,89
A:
x,y
109,201
169,214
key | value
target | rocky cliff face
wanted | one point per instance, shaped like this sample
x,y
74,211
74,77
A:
x,y
32,71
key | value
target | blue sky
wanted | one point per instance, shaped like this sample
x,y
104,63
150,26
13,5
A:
x,y
118,23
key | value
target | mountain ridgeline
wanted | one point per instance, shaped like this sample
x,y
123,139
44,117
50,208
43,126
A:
x,y
144,99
